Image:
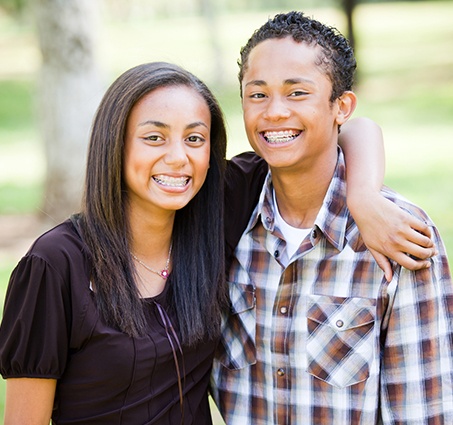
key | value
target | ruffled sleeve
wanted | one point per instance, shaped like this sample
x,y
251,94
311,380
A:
x,y
36,321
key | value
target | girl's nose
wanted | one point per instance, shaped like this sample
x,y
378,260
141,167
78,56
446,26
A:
x,y
176,154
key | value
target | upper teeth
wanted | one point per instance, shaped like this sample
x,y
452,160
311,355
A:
x,y
280,136
171,181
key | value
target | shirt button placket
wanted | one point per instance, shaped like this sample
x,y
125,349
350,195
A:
x,y
281,409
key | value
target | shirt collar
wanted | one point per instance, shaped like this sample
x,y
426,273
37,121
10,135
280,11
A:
x,y
333,217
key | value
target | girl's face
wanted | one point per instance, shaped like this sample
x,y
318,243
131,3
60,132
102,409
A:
x,y
167,149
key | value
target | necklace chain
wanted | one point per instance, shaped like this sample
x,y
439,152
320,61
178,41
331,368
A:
x,y
163,273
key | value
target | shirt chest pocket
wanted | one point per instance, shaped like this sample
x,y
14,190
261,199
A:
x,y
340,339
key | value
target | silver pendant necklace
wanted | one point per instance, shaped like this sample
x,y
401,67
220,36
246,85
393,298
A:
x,y
163,273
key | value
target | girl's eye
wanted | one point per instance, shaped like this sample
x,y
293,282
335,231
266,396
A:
x,y
195,139
153,138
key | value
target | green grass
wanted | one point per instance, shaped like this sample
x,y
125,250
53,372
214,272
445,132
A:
x,y
406,85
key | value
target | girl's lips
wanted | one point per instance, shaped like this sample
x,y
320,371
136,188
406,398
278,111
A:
x,y
280,137
171,181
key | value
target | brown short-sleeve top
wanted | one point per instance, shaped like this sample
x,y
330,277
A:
x,y
51,329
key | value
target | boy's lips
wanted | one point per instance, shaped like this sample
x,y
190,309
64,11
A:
x,y
280,137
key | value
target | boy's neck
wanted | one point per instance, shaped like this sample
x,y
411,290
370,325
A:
x,y
300,196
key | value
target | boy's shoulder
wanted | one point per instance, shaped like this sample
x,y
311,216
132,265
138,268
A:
x,y
406,205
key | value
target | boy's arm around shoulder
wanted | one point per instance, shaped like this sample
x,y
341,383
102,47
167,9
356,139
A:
x,y
392,232
417,350
244,180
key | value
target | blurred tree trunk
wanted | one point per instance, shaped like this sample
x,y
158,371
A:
x,y
210,15
349,6
69,92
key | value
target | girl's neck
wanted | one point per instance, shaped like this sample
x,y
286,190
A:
x,y
150,236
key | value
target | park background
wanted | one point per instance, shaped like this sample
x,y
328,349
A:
x,y
405,60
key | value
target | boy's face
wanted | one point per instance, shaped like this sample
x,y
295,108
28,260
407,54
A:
x,y
288,117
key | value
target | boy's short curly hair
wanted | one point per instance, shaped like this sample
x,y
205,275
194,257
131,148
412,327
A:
x,y
337,56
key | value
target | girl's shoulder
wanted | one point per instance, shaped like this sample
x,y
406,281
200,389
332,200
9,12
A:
x,y
59,245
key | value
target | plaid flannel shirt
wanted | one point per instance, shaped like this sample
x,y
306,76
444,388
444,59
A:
x,y
327,340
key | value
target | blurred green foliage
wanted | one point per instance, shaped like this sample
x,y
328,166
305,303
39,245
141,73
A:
x,y
14,7
20,199
16,107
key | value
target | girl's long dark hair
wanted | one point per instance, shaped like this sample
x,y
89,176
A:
x,y
197,291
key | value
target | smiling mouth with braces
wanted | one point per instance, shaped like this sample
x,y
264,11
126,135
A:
x,y
279,137
171,181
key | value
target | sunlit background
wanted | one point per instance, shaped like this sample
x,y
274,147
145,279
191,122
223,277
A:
x,y
405,56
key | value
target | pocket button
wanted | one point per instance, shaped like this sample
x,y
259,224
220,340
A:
x,y
339,323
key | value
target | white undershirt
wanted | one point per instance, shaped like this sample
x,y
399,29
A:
x,y
293,235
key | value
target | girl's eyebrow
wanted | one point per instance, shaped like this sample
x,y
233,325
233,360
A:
x,y
163,125
152,122
197,124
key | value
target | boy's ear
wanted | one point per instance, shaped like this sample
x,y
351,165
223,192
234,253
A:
x,y
346,106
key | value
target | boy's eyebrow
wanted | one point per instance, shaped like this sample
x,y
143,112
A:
x,y
287,82
292,81
256,83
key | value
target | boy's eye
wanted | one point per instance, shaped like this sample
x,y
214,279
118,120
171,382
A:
x,y
298,93
257,95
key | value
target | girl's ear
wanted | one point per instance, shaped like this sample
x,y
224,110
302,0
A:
x,y
346,106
